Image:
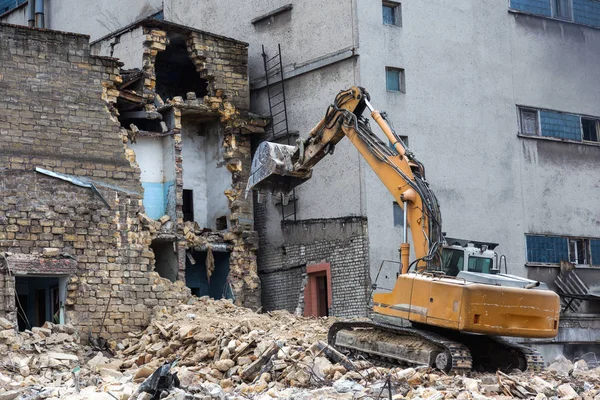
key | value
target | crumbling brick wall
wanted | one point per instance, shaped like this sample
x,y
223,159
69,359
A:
x,y
341,242
223,63
53,116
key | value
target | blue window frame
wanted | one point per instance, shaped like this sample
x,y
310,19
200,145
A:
x,y
547,249
394,79
392,13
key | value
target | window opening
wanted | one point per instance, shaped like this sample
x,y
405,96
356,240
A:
x,y
452,261
482,265
394,80
392,13
529,122
165,259
562,9
579,250
39,299
590,129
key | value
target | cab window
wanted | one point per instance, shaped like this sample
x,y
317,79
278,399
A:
x,y
481,264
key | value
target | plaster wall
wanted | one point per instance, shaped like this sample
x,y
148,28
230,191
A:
x,y
127,47
218,177
96,18
204,172
158,178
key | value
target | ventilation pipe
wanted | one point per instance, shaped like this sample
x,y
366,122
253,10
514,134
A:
x,y
39,14
31,13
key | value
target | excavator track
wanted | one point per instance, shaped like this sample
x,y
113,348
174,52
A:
x,y
451,352
451,356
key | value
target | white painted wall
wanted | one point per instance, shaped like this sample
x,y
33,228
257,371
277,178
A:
x,y
149,156
204,172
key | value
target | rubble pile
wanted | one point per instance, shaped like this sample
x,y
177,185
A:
x,y
212,349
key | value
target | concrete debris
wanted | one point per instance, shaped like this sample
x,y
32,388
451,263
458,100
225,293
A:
x,y
212,349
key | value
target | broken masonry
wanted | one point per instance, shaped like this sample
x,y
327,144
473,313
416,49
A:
x,y
142,163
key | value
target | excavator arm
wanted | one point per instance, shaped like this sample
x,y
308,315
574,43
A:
x,y
279,168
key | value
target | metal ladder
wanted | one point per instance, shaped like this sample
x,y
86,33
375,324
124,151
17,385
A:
x,y
279,129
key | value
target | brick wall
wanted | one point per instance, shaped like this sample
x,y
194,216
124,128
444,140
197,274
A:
x,y
53,116
341,242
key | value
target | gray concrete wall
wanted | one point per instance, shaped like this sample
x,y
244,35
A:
x,y
305,33
465,74
94,18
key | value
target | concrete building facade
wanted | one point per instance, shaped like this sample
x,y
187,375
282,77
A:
x,y
498,100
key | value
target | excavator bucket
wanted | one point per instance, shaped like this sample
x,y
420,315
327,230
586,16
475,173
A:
x,y
273,169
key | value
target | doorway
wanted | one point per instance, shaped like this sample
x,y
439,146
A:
x,y
196,277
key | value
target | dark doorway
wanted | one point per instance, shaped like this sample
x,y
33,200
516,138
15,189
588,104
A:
x,y
188,205
197,280
322,309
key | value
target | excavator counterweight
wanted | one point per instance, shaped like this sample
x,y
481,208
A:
x,y
450,305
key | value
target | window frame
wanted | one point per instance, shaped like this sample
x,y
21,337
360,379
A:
x,y
555,9
591,262
597,122
538,124
397,12
401,80
587,252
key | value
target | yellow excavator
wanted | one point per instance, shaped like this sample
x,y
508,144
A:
x,y
451,305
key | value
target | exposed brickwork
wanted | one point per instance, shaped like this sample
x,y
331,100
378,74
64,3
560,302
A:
x,y
223,63
54,117
341,242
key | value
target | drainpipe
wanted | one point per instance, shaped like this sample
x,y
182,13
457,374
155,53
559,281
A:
x,y
39,13
31,13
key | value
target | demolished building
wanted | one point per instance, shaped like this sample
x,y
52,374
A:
x,y
122,182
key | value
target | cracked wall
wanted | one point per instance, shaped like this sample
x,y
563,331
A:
x,y
221,116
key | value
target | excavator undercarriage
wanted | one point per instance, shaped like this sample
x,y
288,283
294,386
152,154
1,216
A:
x,y
446,350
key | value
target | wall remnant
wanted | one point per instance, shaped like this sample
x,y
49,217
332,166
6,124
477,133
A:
x,y
341,242
59,117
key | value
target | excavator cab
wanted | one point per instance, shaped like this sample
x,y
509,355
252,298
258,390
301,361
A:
x,y
469,257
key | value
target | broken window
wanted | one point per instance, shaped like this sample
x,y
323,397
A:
x,y
176,74
579,251
590,129
529,121
562,9
394,79
392,13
